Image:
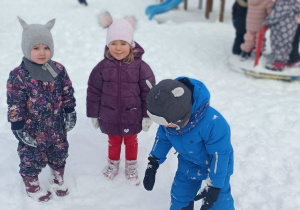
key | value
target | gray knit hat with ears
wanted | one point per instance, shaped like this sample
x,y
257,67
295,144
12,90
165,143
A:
x,y
36,34
170,101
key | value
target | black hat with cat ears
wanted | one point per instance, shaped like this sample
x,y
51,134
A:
x,y
169,102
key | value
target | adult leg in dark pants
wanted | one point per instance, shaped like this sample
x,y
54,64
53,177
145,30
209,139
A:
x,y
294,60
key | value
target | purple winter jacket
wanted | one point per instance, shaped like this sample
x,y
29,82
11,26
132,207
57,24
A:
x,y
117,92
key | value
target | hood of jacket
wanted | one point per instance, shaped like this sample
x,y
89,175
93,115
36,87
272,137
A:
x,y
201,95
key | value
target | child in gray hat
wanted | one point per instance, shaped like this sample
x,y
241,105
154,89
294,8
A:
x,y
41,103
201,137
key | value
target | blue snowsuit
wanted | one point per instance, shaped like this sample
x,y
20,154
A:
x,y
204,152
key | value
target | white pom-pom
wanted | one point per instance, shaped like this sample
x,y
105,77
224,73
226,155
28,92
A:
x,y
132,21
105,19
177,92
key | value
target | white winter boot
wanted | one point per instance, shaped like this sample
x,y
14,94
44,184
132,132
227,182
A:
x,y
131,172
112,169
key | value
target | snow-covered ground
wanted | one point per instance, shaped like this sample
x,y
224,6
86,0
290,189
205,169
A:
x,y
263,114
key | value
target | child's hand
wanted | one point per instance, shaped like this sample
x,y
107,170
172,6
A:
x,y
149,179
95,122
146,123
297,18
209,195
25,137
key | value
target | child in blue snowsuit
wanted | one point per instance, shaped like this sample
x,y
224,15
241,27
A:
x,y
200,135
41,103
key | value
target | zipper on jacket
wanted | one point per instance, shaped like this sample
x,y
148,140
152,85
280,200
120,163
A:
x,y
119,94
216,163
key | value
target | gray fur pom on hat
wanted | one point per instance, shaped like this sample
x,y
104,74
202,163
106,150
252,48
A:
x,y
170,101
36,34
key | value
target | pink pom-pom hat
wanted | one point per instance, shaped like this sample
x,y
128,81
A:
x,y
118,29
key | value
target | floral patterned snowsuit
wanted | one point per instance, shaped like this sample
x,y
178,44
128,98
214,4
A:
x,y
283,28
40,107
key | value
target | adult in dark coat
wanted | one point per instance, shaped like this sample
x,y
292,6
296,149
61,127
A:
x,y
294,58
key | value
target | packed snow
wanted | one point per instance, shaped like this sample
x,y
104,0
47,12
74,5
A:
x,y
263,114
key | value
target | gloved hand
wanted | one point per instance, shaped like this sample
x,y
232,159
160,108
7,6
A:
x,y
297,18
146,124
95,122
150,173
24,137
70,120
210,196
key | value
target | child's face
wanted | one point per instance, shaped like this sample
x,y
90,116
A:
x,y
40,54
171,125
119,49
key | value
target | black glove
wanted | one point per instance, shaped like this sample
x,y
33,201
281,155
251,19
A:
x,y
70,120
149,178
25,137
210,196
83,2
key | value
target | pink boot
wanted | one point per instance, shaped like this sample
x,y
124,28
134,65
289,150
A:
x,y
57,182
34,191
131,172
295,65
276,66
112,169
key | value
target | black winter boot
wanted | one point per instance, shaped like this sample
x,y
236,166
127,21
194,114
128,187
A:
x,y
245,55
